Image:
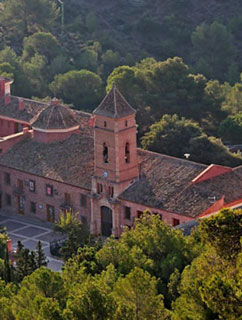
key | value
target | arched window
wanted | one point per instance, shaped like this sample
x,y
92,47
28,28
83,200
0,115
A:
x,y
105,153
127,153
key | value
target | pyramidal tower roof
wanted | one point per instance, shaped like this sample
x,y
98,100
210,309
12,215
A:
x,y
114,105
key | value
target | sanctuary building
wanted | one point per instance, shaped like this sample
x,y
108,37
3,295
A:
x,y
54,159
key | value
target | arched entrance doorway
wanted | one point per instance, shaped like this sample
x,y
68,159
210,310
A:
x,y
106,221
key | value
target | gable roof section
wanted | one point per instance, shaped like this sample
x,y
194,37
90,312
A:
x,y
70,161
114,105
210,172
161,179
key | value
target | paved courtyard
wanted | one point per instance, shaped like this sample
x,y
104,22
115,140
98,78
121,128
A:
x,y
29,234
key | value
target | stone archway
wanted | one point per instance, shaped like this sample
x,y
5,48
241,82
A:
x,y
106,221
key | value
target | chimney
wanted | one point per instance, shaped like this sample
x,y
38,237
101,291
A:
x,y
21,104
2,87
6,99
55,102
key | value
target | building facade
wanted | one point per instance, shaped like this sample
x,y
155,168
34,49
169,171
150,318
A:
x,y
54,159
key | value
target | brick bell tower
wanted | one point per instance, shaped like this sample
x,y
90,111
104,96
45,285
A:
x,y
116,163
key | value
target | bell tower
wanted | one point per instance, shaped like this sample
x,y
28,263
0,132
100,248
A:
x,y
115,139
115,148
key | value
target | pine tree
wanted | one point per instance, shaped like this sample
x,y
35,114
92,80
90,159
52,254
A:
x,y
7,268
40,257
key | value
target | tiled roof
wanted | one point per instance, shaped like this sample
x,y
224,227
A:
x,y
70,161
56,116
161,179
31,110
195,199
83,119
166,183
114,105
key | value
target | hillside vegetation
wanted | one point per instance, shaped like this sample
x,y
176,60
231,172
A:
x,y
168,57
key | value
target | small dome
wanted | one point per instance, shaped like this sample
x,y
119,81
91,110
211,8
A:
x,y
55,116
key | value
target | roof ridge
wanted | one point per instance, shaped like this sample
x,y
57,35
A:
x,y
61,115
27,99
50,114
115,100
172,157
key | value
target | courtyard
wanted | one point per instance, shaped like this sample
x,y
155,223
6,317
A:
x,y
29,233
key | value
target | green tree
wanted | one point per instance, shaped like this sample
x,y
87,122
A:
x,y
40,257
82,88
214,49
165,87
7,276
91,21
233,100
231,129
40,43
137,292
21,18
224,232
152,246
88,59
37,291
210,287
77,233
110,60
6,70
176,137
25,262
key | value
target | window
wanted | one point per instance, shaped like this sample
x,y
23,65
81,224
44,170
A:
x,y
127,153
33,207
139,214
105,153
8,199
127,213
105,124
110,191
126,123
7,178
32,185
158,214
49,190
50,213
99,188
67,199
175,222
20,185
83,200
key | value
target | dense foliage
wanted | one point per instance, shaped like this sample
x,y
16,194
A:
x,y
151,272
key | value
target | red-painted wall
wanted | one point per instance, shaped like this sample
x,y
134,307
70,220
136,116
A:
x,y
48,137
39,196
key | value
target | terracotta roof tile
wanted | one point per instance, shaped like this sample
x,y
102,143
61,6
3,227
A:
x,y
165,183
70,161
114,105
161,179
31,110
56,116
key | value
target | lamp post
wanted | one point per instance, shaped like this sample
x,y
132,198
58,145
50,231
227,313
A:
x,y
62,20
